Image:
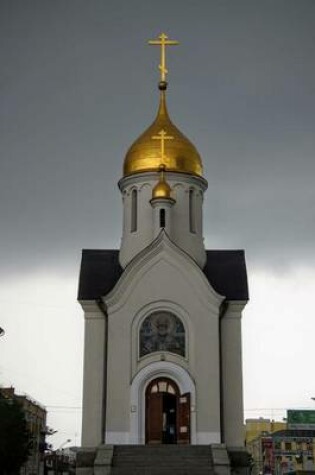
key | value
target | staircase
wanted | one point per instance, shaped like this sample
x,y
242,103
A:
x,y
162,460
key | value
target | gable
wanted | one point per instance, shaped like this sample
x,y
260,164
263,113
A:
x,y
100,271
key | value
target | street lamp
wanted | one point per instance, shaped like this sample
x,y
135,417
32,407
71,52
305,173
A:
x,y
63,444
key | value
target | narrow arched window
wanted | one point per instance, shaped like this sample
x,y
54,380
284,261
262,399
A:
x,y
134,211
162,218
192,212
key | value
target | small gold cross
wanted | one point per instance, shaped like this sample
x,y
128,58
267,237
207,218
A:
x,y
162,136
163,41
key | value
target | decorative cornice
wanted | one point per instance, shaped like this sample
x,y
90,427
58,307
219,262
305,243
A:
x,y
139,178
234,309
91,309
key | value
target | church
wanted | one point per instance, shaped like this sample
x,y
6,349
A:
x,y
162,347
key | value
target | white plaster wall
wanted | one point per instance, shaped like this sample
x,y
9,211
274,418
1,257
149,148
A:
x,y
133,242
232,380
93,375
163,277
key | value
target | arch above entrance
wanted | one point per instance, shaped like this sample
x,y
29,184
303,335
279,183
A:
x,y
160,369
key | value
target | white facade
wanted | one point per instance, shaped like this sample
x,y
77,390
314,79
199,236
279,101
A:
x,y
162,274
162,278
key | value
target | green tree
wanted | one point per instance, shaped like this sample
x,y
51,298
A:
x,y
14,437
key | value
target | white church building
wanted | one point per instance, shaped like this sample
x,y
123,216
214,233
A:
x,y
162,348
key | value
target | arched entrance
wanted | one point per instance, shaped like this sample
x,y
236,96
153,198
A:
x,y
167,414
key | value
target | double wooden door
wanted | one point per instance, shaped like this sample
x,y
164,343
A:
x,y
167,413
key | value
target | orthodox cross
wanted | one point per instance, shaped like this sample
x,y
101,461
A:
x,y
163,41
162,136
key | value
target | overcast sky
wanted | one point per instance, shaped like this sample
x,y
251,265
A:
x,y
78,86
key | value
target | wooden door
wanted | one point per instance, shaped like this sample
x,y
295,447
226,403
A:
x,y
154,418
183,419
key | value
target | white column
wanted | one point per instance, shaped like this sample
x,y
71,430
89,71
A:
x,y
232,378
93,375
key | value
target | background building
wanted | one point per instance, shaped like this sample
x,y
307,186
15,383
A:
x,y
278,448
260,427
35,416
259,442
60,461
293,451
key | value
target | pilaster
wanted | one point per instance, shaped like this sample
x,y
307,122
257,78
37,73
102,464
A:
x,y
94,374
231,375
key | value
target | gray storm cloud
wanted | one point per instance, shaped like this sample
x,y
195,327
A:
x,y
79,85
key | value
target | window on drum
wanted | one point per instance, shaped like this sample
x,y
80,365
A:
x,y
134,211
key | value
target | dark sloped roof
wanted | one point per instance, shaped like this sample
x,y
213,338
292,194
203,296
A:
x,y
226,272
100,270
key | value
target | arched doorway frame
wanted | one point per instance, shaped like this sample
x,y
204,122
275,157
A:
x,y
160,369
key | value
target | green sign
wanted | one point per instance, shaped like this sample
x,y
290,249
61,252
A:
x,y
299,419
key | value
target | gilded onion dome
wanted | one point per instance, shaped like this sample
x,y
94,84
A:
x,y
180,155
162,189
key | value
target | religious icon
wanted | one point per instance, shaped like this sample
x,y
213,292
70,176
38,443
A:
x,y
162,331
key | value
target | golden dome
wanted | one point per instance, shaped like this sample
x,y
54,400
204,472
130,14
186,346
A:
x,y
162,189
180,155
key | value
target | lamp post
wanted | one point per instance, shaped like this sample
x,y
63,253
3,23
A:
x,y
63,444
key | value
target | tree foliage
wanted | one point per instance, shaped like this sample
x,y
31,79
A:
x,y
14,436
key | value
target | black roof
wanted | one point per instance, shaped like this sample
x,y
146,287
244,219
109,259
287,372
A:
x,y
100,270
226,272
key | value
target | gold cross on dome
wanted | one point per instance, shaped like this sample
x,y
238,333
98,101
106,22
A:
x,y
163,41
162,136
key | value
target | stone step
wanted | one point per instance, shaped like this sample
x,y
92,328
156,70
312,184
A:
x,y
166,449
159,456
160,471
162,460
163,455
173,463
163,450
